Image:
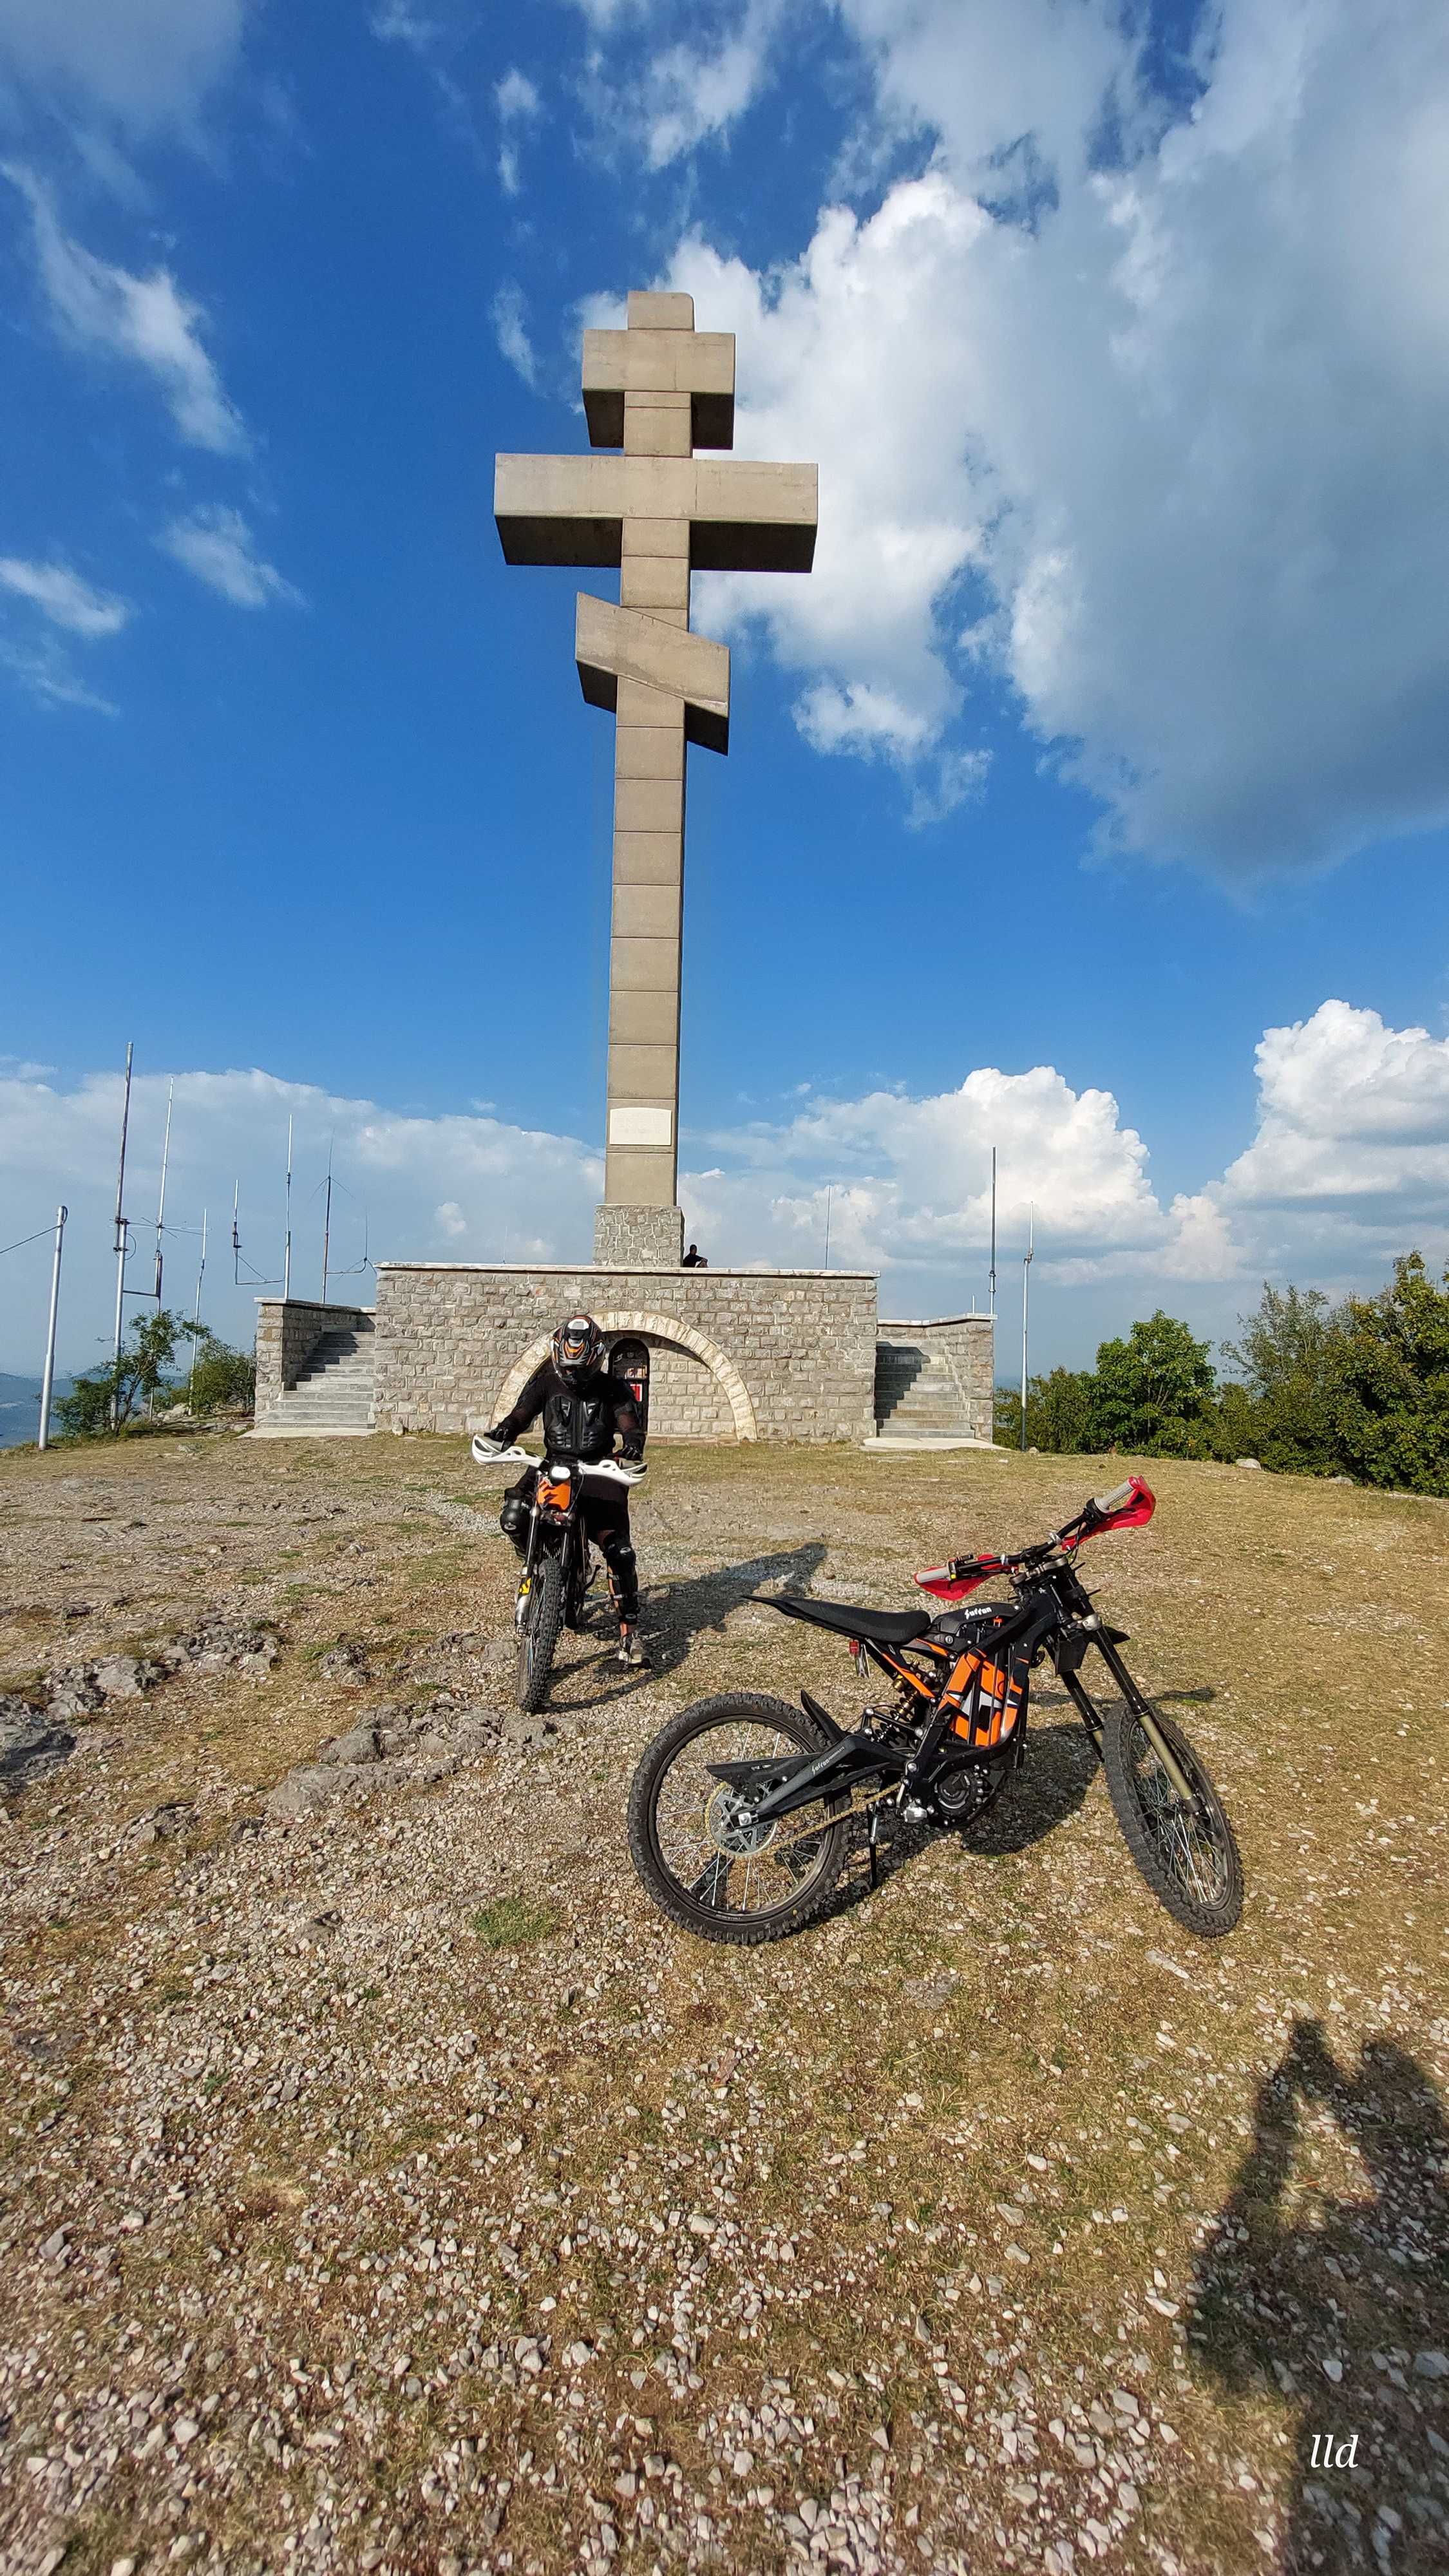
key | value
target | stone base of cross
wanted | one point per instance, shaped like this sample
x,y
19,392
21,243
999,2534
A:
x,y
656,390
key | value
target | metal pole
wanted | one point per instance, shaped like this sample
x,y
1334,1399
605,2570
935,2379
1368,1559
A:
x,y
828,1197
161,1201
993,1229
121,1234
326,1229
48,1380
200,1274
287,1246
1025,1284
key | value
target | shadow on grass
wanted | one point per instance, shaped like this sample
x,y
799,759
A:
x,y
675,1614
1032,1803
1340,2308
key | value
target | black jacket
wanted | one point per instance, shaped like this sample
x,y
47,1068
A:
x,y
581,1415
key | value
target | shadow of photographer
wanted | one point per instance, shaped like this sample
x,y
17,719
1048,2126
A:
x,y
1341,2306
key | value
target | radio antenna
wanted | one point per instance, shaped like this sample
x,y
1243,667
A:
x,y
161,1201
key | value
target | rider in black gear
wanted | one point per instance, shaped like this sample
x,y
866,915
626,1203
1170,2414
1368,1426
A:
x,y
584,1411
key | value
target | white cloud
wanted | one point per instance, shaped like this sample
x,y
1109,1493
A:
x,y
517,99
1349,1165
411,1182
146,320
46,670
1149,431
518,104
1353,1134
147,64
511,332
64,598
215,544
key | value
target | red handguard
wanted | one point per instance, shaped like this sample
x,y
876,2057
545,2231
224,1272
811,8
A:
x,y
953,1581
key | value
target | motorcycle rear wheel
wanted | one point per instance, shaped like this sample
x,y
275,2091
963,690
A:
x,y
1188,1855
704,1870
538,1636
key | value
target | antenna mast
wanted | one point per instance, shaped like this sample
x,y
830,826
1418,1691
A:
x,y
1025,1283
161,1201
287,1243
121,1232
993,1229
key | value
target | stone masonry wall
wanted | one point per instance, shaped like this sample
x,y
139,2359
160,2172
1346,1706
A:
x,y
288,1332
967,1344
790,1353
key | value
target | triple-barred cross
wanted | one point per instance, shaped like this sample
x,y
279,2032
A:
x,y
656,391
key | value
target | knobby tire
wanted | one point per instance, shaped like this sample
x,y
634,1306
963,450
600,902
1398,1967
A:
x,y
1209,1913
539,1635
743,1929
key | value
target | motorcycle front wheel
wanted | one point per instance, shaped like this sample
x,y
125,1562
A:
x,y
1185,1849
697,1854
538,1634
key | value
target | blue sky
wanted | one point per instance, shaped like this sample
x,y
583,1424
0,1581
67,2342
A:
x,y
1090,799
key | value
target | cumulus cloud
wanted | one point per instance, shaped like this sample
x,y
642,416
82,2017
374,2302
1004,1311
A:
x,y
1348,1165
1352,1146
147,65
1133,402
64,598
215,544
146,321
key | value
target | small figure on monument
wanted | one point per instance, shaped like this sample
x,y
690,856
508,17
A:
x,y
694,1259
583,1411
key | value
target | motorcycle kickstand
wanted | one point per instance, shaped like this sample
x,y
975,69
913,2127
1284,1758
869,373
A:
x,y
872,1833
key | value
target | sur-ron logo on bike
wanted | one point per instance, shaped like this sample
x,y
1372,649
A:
x,y
741,1807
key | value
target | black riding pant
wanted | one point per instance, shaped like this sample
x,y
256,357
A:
x,y
606,1521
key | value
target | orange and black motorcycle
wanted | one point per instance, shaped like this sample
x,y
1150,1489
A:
x,y
741,1807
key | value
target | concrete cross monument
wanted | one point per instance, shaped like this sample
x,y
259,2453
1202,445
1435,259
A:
x,y
657,390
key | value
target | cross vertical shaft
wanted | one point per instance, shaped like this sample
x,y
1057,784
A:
x,y
656,391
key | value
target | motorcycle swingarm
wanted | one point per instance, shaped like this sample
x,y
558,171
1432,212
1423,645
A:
x,y
842,1766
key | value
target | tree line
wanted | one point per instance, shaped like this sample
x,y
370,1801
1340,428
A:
x,y
1359,1389
152,1373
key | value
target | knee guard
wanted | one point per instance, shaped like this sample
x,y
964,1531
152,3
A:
x,y
513,1520
624,1582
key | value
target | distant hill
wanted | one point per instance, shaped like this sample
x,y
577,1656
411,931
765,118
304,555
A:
x,y
20,1407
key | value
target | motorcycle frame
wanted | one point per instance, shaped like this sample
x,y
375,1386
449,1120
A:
x,y
1051,1599
572,1546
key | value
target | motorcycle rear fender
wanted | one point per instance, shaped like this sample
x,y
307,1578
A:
x,y
842,1765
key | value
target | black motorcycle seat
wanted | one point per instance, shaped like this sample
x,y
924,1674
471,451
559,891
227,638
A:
x,y
848,1619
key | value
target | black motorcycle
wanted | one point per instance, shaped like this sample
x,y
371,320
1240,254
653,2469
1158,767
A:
x,y
559,1565
740,1809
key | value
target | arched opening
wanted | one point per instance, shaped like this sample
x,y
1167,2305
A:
x,y
674,1400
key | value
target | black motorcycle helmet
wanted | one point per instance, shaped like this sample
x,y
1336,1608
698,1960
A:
x,y
578,1346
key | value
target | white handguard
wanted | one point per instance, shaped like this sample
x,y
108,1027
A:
x,y
615,1471
491,1453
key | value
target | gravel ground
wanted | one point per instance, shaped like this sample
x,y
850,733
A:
x,y
383,2185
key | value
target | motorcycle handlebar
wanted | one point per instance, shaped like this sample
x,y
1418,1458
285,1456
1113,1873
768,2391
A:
x,y
1114,1501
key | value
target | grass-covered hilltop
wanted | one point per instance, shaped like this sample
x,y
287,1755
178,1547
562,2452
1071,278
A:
x,y
384,2185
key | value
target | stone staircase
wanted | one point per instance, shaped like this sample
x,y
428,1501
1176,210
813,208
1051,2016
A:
x,y
333,1394
916,1395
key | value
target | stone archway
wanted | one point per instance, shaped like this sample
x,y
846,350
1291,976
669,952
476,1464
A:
x,y
663,1328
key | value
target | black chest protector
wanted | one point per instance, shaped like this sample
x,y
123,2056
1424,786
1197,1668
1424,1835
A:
x,y
578,1421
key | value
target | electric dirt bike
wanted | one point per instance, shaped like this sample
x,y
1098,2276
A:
x,y
558,1562
740,1809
